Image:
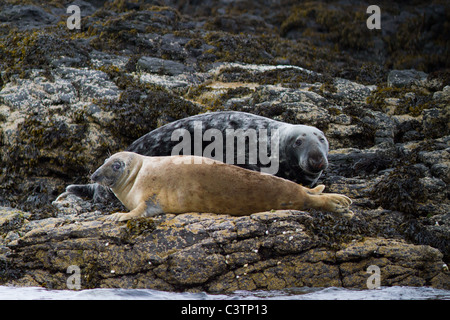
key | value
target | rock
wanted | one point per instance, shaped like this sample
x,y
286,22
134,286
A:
x,y
102,59
69,98
405,78
27,16
345,162
39,92
86,8
216,253
12,219
435,122
352,90
90,84
381,253
384,127
161,66
71,205
69,86
442,95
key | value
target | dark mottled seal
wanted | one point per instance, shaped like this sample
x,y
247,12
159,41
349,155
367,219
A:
x,y
302,150
148,186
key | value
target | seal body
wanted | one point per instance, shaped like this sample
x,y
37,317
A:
x,y
178,184
301,152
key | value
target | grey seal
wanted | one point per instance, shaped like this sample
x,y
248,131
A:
x,y
301,153
149,186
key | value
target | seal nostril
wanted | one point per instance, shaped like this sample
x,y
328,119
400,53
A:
x,y
316,163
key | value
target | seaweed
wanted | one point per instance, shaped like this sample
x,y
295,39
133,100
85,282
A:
x,y
22,51
136,227
146,107
411,101
401,190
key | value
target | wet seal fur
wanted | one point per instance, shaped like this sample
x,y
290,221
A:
x,y
148,186
303,149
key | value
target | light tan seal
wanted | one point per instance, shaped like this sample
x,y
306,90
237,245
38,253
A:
x,y
149,186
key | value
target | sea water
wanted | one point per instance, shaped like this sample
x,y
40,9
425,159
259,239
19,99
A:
x,y
305,293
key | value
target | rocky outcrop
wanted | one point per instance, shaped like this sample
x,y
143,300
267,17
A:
x,y
68,98
216,253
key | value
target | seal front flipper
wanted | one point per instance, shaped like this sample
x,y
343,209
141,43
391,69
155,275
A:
x,y
332,202
137,212
337,202
142,210
317,190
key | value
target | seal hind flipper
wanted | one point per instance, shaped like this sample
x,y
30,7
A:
x,y
98,193
81,190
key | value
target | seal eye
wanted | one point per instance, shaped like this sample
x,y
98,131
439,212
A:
x,y
116,166
322,139
298,142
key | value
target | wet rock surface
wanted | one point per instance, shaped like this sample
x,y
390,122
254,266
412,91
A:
x,y
68,98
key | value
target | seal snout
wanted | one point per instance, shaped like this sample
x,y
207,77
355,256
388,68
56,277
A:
x,y
102,176
95,177
98,177
109,173
317,162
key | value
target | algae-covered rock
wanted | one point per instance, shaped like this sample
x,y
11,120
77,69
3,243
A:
x,y
70,98
272,250
161,66
11,219
405,78
26,16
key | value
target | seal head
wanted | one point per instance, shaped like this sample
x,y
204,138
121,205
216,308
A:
x,y
306,149
112,172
